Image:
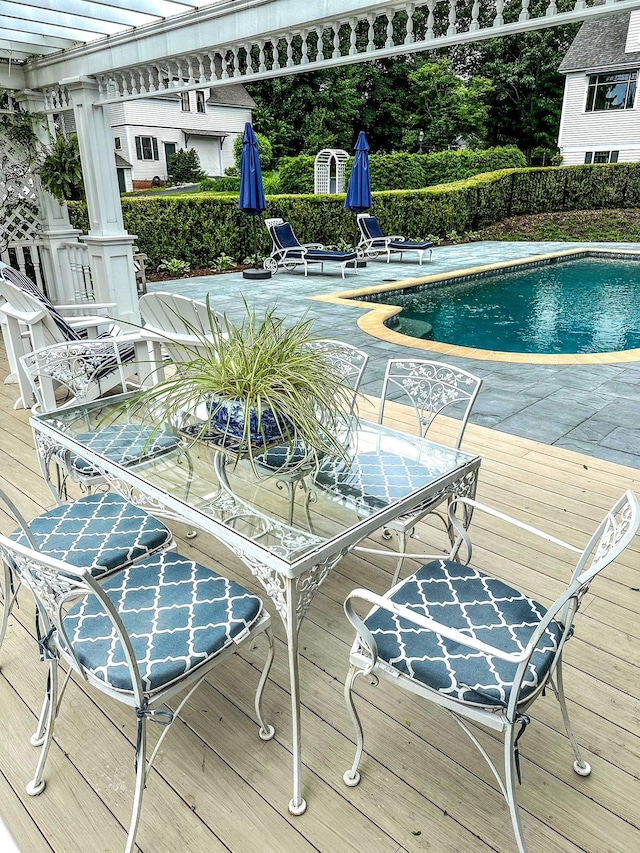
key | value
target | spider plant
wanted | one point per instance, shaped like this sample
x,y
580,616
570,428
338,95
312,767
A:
x,y
251,377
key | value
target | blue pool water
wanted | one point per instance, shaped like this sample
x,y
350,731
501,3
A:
x,y
576,306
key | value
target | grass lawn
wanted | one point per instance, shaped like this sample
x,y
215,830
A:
x,y
617,226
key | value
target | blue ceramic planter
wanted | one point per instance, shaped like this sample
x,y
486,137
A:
x,y
229,416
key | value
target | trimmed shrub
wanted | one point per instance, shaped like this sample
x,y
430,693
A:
x,y
405,171
199,228
229,184
264,150
296,174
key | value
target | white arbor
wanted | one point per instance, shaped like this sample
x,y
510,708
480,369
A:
x,y
328,171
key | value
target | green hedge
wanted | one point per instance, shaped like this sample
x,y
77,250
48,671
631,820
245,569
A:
x,y
229,184
199,228
408,171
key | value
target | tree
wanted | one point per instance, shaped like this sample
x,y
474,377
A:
x,y
184,166
447,108
264,150
526,102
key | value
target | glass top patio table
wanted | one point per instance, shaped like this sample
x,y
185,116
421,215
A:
x,y
385,474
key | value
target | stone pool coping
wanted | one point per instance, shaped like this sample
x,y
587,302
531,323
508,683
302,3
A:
x,y
373,321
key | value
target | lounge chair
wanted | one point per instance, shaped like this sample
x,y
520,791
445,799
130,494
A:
x,y
33,322
374,242
289,252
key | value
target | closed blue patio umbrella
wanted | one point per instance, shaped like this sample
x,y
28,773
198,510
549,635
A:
x,y
359,191
252,200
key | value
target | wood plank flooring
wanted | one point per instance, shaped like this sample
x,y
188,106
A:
x,y
217,787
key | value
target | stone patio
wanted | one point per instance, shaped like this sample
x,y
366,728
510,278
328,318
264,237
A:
x,y
592,409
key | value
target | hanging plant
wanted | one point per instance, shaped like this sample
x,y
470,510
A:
x,y
61,172
18,126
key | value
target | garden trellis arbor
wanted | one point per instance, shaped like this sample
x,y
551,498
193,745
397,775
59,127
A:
x,y
98,53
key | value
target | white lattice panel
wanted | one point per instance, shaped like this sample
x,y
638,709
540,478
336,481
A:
x,y
19,211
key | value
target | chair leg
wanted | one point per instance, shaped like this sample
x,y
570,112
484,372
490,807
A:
x,y
266,731
352,776
37,784
8,594
510,786
581,767
141,776
402,547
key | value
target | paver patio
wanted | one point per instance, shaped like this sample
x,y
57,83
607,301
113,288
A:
x,y
593,409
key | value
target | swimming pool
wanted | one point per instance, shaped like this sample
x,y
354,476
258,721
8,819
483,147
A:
x,y
586,303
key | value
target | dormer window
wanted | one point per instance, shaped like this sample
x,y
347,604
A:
x,y
186,107
612,91
200,102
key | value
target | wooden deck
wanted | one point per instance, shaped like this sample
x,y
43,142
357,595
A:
x,y
424,787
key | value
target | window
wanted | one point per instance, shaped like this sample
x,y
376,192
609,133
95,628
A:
x,y
117,143
200,102
612,91
146,148
186,106
601,156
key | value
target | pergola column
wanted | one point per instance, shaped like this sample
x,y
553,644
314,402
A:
x,y
109,244
56,228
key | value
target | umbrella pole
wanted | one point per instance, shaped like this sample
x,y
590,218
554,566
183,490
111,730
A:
x,y
255,243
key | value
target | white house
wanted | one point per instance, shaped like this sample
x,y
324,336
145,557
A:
x,y
601,111
148,130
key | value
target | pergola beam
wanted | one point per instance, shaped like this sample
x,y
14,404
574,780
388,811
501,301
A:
x,y
211,45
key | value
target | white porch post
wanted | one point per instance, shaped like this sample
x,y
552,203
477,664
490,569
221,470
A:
x,y
110,246
56,228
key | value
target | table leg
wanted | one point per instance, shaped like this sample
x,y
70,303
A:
x,y
297,804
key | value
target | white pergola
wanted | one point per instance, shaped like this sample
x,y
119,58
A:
x,y
87,54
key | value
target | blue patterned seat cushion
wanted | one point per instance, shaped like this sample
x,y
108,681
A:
x,y
482,607
177,613
98,532
124,444
377,479
280,457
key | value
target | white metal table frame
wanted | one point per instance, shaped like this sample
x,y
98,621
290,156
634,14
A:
x,y
290,581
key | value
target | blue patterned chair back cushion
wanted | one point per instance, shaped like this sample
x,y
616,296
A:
x,y
372,227
20,280
478,605
98,532
124,444
177,613
284,236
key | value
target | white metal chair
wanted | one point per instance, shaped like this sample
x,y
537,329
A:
x,y
432,387
84,371
291,465
141,635
100,532
477,647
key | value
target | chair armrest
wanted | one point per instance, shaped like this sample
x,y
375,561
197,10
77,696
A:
x,y
28,317
312,246
421,622
84,306
396,238
503,517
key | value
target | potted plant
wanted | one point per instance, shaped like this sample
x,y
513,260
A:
x,y
257,384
